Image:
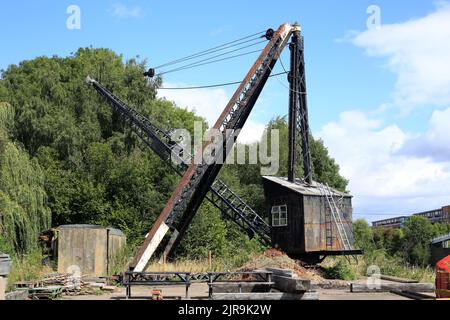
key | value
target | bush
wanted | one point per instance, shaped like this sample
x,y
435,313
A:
x,y
121,260
26,267
363,235
418,233
341,270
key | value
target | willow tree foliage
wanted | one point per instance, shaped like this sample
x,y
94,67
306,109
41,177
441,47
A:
x,y
23,211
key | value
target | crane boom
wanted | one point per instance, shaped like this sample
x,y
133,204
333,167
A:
x,y
232,206
199,177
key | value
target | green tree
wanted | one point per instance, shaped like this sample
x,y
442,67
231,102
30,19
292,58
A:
x,y
440,229
23,210
207,232
363,235
94,168
417,235
325,169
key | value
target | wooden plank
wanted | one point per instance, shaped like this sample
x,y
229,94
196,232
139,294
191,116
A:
x,y
387,287
397,279
412,295
312,295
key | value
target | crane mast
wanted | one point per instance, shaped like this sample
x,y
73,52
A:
x,y
298,112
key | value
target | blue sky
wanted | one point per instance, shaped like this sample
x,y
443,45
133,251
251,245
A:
x,y
373,100
339,75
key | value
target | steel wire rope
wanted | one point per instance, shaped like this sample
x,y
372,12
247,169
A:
x,y
211,50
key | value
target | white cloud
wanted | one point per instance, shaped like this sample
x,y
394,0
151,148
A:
x,y
383,179
209,103
252,132
392,171
122,11
435,143
418,53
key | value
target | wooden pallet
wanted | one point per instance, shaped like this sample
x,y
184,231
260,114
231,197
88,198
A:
x,y
50,292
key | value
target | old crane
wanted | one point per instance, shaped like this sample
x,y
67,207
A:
x,y
199,179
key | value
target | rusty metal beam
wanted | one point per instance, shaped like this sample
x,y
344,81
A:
x,y
293,107
231,115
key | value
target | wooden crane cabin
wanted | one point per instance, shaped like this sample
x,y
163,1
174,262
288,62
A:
x,y
303,225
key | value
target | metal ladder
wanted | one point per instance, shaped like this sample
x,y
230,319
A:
x,y
335,215
240,212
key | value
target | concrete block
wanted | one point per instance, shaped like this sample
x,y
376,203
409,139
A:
x,y
312,295
330,284
240,287
282,272
291,285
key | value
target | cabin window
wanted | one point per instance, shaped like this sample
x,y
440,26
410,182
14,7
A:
x,y
279,216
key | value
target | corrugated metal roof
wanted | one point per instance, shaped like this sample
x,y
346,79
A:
x,y
116,232
80,226
303,188
112,230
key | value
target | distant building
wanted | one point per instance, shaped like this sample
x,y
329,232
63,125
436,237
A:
x,y
434,216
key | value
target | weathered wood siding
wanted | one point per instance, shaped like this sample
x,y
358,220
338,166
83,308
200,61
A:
x,y
306,229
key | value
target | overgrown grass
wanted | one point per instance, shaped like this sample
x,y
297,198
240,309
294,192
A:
x,y
27,267
193,266
227,262
124,257
341,268
395,266
120,262
218,264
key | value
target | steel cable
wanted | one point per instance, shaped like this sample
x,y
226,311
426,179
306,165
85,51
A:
x,y
212,50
